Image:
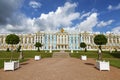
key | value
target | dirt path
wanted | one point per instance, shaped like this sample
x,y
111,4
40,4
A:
x,y
60,69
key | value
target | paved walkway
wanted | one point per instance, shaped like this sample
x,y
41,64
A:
x,y
61,54
60,69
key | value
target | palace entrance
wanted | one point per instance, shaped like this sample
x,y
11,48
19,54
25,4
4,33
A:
x,y
62,40
62,47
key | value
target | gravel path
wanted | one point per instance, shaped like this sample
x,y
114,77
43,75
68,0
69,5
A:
x,y
60,69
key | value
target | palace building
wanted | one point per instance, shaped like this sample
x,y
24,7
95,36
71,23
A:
x,y
62,40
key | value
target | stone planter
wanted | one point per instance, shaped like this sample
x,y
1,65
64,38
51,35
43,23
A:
x,y
103,65
37,58
16,64
83,57
12,65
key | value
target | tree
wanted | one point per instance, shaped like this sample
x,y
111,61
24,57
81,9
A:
x,y
38,44
12,39
100,40
18,49
83,45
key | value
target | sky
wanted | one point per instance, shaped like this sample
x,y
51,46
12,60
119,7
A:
x,y
30,16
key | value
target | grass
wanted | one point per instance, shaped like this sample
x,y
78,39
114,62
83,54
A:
x,y
5,56
114,57
93,54
27,54
1,63
3,60
90,54
115,63
31,54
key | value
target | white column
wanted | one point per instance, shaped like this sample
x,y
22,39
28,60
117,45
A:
x,y
116,40
23,40
57,39
4,40
63,39
34,39
108,40
89,40
60,39
66,39
111,40
31,40
37,38
27,40
64,47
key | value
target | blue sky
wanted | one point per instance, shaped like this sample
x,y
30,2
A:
x,y
26,16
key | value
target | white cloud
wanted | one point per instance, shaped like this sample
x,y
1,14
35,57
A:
x,y
89,23
70,29
110,7
62,17
25,25
103,23
116,29
85,15
35,4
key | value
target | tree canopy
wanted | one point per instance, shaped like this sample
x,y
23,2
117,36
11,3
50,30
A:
x,y
12,39
82,45
38,44
100,39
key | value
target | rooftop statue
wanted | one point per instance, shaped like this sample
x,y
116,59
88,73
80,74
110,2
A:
x,y
62,30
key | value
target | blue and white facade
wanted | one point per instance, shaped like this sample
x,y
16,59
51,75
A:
x,y
61,40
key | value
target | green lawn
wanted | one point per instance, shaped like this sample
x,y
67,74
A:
x,y
27,54
5,56
114,57
115,63
93,54
31,54
5,60
2,63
